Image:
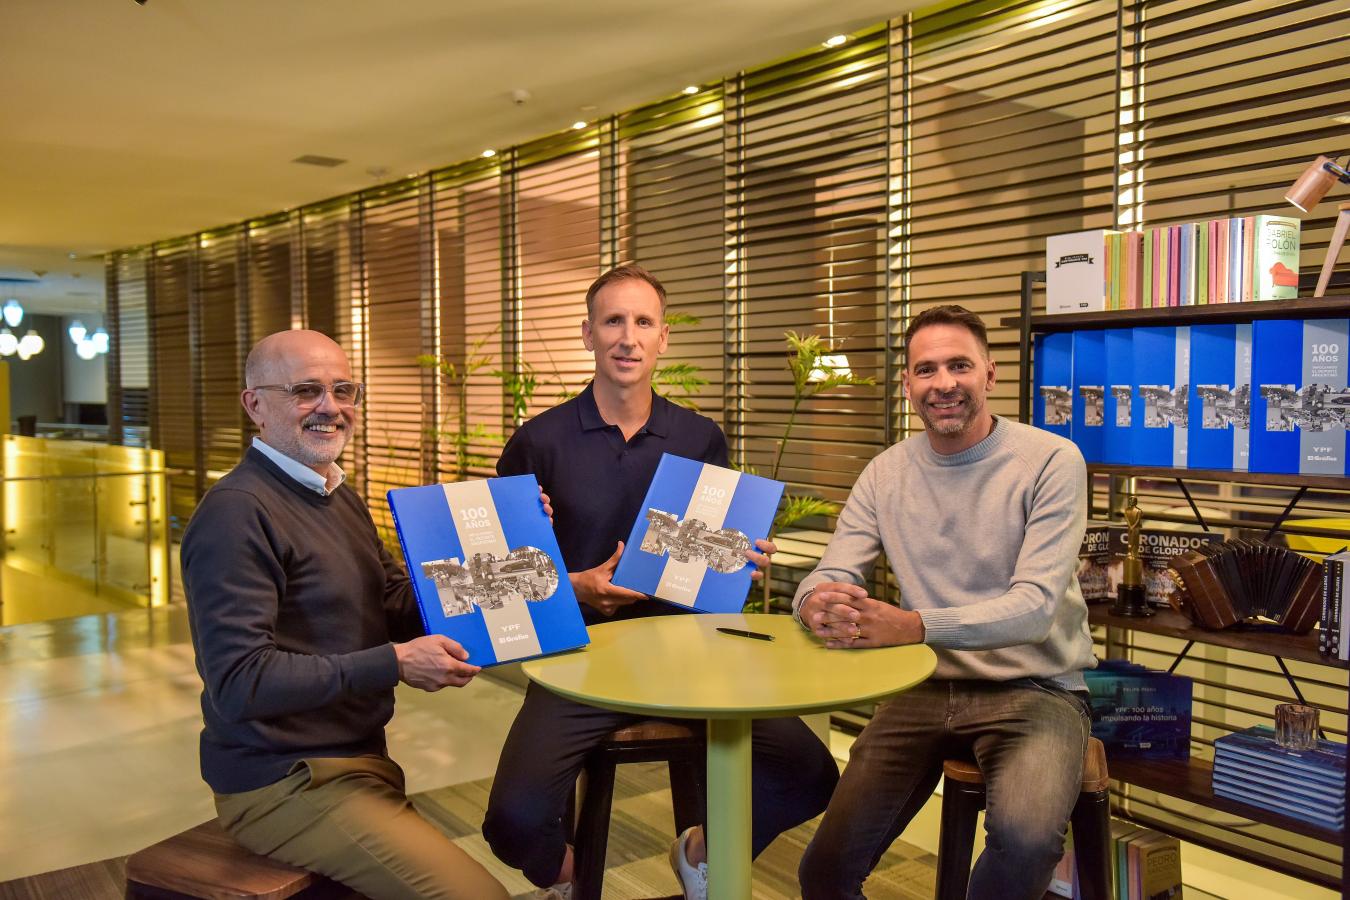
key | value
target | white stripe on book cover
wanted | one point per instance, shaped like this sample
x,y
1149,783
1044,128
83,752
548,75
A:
x,y
1181,380
680,581
479,529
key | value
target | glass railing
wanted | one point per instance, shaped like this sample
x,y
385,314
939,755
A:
x,y
85,529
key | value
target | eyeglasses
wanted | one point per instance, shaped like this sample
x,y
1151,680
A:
x,y
307,394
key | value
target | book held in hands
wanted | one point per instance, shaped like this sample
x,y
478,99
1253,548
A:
x,y
695,525
486,568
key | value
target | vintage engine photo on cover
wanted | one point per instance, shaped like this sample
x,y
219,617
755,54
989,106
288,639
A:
x,y
1058,404
1221,407
691,541
1316,407
487,582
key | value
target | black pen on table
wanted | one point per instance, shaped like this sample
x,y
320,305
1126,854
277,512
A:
x,y
748,634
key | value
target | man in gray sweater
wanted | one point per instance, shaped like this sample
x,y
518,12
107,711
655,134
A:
x,y
981,520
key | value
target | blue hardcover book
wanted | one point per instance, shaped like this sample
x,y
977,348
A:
x,y
1052,372
486,568
1162,372
1089,394
1279,802
1325,761
1325,798
1118,425
1221,397
688,544
1299,395
1141,714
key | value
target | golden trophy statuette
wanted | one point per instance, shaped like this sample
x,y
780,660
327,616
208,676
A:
x,y
1132,597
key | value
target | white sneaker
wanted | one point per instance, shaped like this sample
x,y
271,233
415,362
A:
x,y
693,879
561,891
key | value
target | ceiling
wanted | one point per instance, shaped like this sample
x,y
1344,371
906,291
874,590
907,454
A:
x,y
126,123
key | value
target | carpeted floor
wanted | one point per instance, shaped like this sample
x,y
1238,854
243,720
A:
x,y
641,829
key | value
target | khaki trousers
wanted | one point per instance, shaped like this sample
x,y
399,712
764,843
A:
x,y
350,820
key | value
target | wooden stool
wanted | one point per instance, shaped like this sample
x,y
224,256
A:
x,y
963,798
682,748
205,862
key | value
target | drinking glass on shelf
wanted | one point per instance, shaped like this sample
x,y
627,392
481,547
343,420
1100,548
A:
x,y
1296,726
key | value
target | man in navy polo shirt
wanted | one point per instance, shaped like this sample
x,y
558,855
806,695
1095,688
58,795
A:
x,y
595,456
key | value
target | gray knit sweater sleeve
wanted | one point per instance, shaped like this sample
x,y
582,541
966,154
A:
x,y
983,545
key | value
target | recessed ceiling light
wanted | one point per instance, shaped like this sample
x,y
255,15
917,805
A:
x,y
577,126
73,255
692,89
488,153
837,41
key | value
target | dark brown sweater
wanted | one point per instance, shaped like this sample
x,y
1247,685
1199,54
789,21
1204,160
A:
x,y
293,603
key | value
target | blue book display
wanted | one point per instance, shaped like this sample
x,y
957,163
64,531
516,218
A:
x,y
1140,713
1250,767
1162,372
1299,394
688,544
486,568
1052,403
1221,397
1119,398
1089,394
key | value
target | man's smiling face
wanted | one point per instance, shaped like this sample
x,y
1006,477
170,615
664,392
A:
x,y
315,435
627,333
947,377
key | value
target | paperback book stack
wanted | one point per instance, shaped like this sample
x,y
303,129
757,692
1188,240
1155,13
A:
x,y
1140,713
1234,260
1308,785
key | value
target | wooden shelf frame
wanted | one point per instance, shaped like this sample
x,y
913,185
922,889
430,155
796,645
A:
x,y
1191,779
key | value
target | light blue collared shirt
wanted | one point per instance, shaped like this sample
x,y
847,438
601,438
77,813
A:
x,y
301,472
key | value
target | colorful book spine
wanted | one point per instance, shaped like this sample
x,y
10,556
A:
x,y
1248,256
1146,291
1202,263
1089,393
1162,363
1119,418
1220,403
1052,370
1221,277
1234,260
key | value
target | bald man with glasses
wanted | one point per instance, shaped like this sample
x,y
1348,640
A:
x,y
303,624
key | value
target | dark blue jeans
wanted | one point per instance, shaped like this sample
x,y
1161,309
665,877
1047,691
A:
x,y
792,776
1028,739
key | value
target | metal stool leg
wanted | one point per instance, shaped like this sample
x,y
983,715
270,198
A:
x,y
1091,822
961,805
592,834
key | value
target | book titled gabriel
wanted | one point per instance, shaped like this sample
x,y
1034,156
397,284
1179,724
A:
x,y
486,568
688,544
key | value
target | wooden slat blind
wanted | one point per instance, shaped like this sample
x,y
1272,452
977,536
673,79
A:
x,y
1009,138
668,219
219,356
469,248
173,412
809,165
557,209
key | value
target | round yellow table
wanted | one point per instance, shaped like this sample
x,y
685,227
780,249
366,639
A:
x,y
683,667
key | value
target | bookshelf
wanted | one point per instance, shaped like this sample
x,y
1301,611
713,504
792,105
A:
x,y
1190,779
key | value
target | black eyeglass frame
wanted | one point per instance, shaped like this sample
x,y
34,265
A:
x,y
324,389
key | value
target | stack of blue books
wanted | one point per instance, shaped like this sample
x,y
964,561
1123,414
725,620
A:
x,y
1309,785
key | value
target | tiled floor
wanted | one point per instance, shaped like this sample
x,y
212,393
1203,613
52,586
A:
x,y
99,719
